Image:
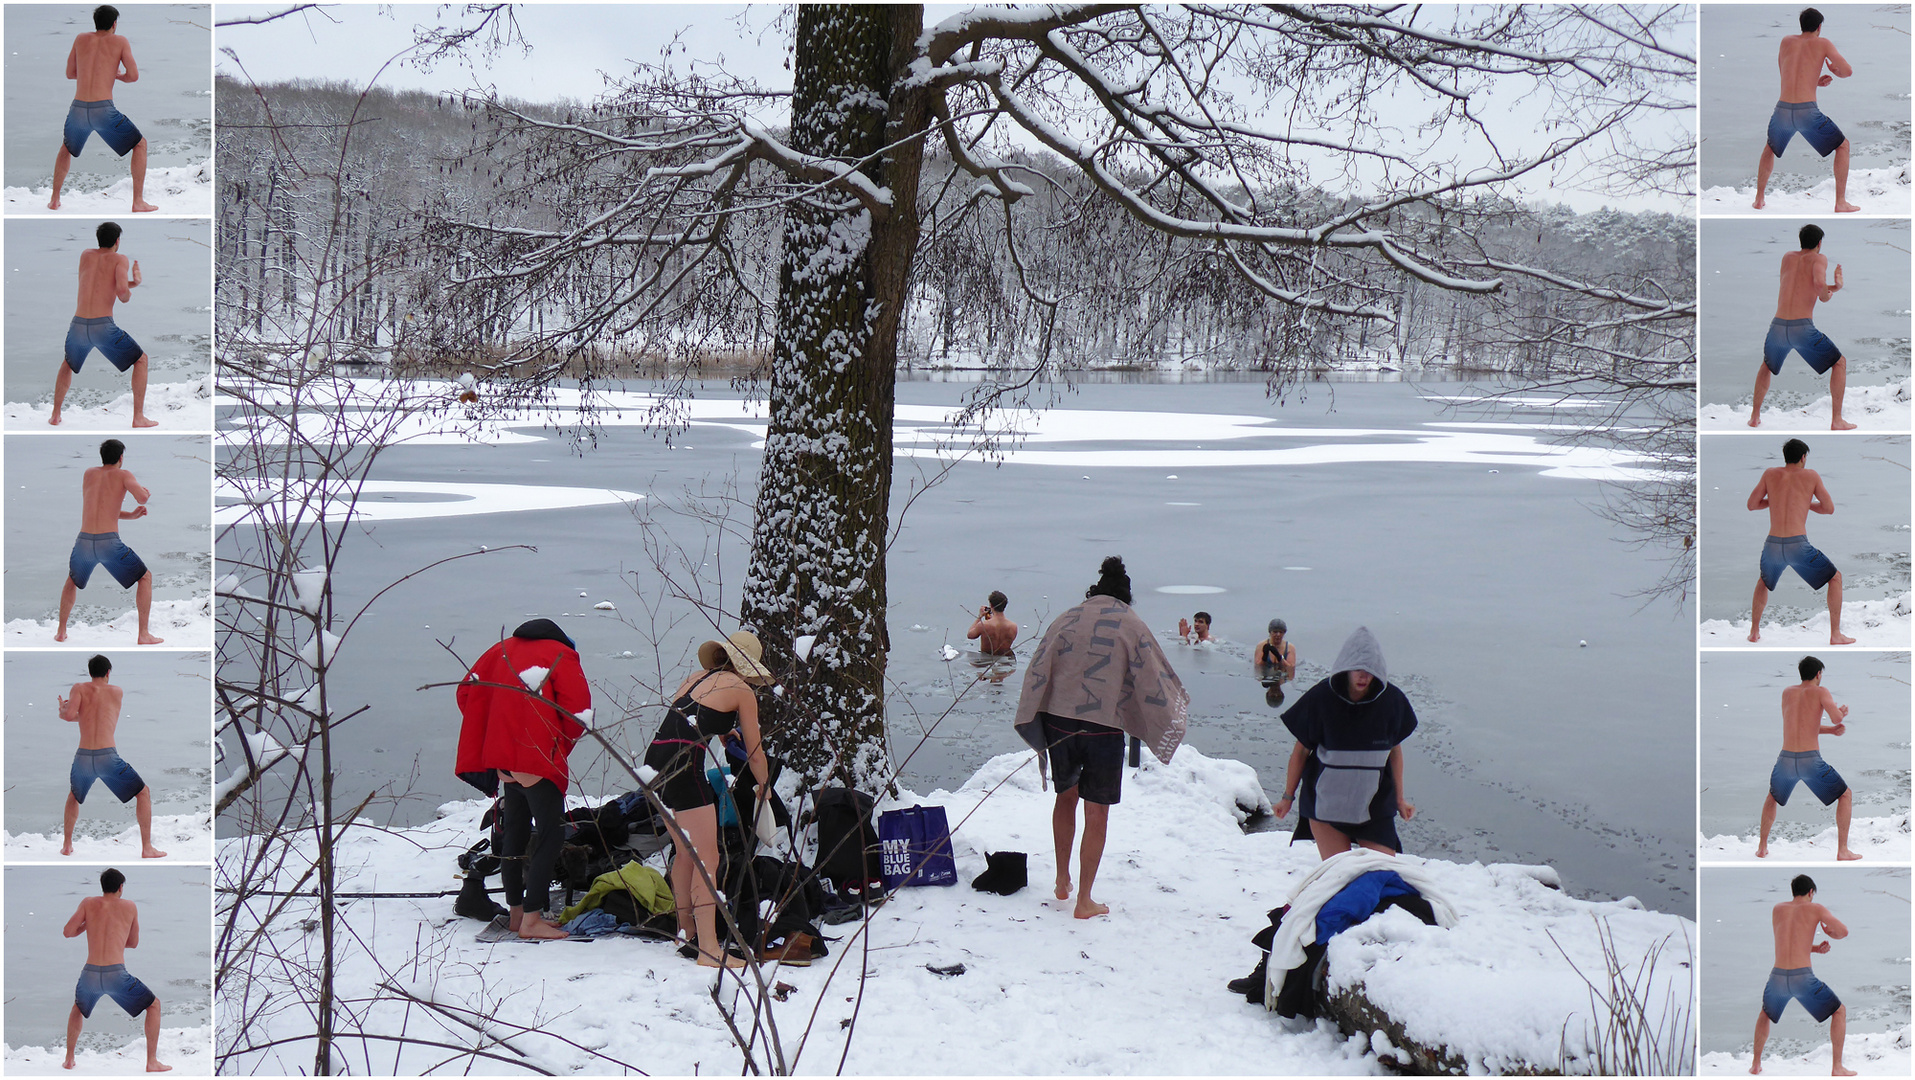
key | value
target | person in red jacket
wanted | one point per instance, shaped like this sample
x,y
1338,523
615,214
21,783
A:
x,y
523,706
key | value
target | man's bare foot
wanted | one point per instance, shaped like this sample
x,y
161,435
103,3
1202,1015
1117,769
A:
x,y
60,634
1754,420
1840,1071
55,421
67,1064
141,421
732,963
1839,424
1087,909
141,206
1762,851
1063,886
1836,639
1846,208
151,852
1755,633
1758,202
145,639
55,205
534,928
154,1066
1755,1069
1845,855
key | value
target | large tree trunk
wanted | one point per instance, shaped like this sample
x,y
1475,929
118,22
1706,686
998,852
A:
x,y
817,561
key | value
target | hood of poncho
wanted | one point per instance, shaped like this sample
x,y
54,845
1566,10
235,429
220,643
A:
x,y
1099,663
1360,652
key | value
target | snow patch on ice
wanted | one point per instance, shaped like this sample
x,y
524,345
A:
x,y
188,1050
1874,623
1873,838
182,623
184,837
1883,190
175,189
455,500
1190,590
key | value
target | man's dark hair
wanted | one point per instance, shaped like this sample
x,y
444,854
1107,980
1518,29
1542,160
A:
x,y
1802,885
110,451
1201,616
1793,451
106,15
1112,581
1810,667
1811,237
111,880
98,667
997,601
107,234
1811,20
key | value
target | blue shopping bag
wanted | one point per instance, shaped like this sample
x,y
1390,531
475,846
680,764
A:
x,y
916,847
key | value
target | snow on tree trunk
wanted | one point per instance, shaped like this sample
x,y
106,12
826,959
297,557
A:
x,y
817,560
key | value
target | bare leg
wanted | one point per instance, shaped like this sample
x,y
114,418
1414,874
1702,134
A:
x,y
1755,609
1835,612
1762,170
1768,822
1063,834
1838,1033
1842,204
72,818
1761,1039
140,204
1844,812
1762,378
1089,854
68,593
1330,839
62,161
62,382
681,878
1838,385
143,813
143,600
702,826
139,394
74,1021
153,1040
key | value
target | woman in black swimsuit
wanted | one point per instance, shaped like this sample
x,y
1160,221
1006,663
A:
x,y
710,703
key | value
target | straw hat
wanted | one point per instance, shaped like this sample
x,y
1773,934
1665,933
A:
x,y
746,655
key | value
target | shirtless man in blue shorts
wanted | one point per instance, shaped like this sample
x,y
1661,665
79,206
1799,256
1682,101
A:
x,y
1801,761
95,706
104,489
111,924
1804,281
1790,494
1802,58
105,276
1796,920
97,61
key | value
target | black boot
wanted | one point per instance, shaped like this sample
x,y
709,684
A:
x,y
473,903
1251,985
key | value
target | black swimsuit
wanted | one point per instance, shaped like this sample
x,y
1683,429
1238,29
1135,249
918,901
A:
x,y
678,750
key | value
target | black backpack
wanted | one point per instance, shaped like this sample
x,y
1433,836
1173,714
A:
x,y
848,851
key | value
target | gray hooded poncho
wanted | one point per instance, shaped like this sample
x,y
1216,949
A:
x,y
1346,779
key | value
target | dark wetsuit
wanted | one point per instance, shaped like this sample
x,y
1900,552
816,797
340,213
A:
x,y
678,750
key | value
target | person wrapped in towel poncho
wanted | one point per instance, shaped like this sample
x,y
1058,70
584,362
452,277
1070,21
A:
x,y
1347,765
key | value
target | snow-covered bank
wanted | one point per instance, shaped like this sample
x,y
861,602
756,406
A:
x,y
1875,623
1869,408
175,189
1873,1053
1876,191
184,838
182,406
181,623
188,1050
1873,838
1139,992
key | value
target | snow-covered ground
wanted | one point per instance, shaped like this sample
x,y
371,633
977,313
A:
x,y
1876,191
1875,623
1139,992
176,189
184,623
1875,838
181,406
188,1050
1875,1053
184,838
1869,408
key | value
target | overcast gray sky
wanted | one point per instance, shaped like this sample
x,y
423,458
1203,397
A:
x,y
574,47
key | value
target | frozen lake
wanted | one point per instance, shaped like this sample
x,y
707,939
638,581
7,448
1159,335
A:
x,y
171,104
1455,541
165,733
1868,320
1742,733
1740,83
1868,970
170,314
174,958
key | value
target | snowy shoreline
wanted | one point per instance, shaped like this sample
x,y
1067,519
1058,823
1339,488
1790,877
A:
x,y
1869,1053
1187,886
181,623
176,189
188,1050
178,406
1873,838
1869,408
1877,191
1872,623
184,838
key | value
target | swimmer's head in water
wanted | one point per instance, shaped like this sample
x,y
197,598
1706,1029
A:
x,y
98,667
1202,618
1277,627
1811,237
1810,667
1794,451
107,234
998,601
1803,885
105,17
111,880
1811,20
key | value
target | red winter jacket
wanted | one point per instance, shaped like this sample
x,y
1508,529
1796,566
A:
x,y
514,731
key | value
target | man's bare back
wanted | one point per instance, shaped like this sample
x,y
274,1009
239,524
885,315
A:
x,y
95,706
1796,922
105,277
1802,709
95,64
104,489
1791,492
1803,283
1801,58
111,925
